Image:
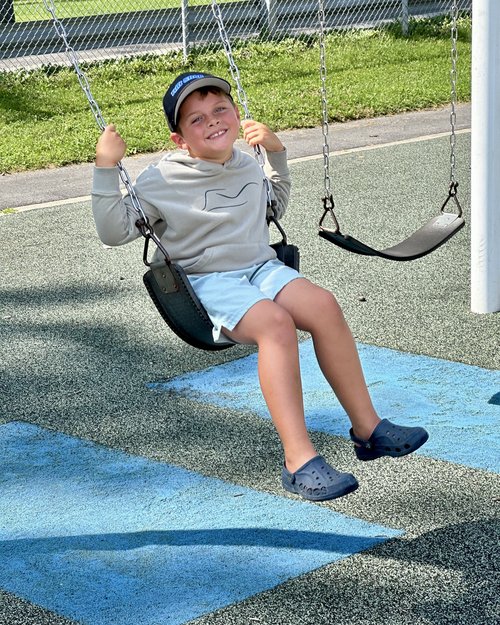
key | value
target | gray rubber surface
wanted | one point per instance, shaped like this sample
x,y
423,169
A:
x,y
80,339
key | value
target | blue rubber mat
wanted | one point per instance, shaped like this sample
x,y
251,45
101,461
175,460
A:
x,y
458,404
103,537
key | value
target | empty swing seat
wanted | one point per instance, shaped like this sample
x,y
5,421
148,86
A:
x,y
423,241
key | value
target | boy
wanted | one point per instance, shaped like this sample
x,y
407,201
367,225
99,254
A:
x,y
207,202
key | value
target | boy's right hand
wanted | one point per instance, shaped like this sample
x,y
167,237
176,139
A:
x,y
110,148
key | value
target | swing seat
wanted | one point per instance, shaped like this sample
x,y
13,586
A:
x,y
423,241
173,296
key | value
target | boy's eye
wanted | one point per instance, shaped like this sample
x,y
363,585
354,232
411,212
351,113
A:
x,y
196,119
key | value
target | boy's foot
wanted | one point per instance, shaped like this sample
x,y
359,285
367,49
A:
x,y
316,480
389,439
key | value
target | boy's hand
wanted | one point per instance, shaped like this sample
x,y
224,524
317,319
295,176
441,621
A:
x,y
256,133
110,148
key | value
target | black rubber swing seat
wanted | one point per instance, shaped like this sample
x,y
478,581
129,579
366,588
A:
x,y
423,241
174,297
177,303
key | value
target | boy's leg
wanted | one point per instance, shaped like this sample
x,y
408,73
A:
x,y
305,472
316,311
273,330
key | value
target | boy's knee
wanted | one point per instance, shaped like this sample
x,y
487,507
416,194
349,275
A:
x,y
325,308
326,302
281,326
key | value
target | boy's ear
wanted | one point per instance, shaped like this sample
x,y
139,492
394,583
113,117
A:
x,y
178,140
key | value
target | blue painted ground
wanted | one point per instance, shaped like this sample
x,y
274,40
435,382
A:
x,y
458,404
103,537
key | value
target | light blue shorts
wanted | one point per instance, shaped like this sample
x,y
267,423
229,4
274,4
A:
x,y
228,295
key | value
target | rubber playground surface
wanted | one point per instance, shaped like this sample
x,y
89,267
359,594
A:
x,y
140,478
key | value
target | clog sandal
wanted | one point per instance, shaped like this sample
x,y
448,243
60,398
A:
x,y
389,439
316,480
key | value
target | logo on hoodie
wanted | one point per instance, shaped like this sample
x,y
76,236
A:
x,y
215,199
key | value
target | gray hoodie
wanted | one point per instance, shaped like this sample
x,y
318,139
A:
x,y
209,217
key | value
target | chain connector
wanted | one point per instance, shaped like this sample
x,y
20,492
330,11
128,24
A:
x,y
143,226
328,208
452,194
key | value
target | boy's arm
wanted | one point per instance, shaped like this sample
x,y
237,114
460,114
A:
x,y
276,166
114,214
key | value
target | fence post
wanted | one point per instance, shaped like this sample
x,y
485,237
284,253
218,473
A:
x,y
186,35
485,158
271,16
404,17
7,12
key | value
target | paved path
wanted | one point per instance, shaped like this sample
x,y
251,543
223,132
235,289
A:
x,y
74,181
140,481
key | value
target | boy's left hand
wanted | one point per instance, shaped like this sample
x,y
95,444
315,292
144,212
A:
x,y
256,133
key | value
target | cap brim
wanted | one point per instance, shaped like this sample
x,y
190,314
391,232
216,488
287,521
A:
x,y
209,81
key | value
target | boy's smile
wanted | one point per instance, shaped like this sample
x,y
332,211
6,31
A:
x,y
208,127
216,135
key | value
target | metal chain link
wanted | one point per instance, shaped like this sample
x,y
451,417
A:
x,y
240,91
324,101
328,202
143,225
453,81
328,199
235,72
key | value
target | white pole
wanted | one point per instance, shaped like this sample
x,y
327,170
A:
x,y
485,157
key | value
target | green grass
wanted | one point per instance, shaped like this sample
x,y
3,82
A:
x,y
45,119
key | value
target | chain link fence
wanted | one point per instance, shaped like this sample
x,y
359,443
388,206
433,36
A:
x,y
104,29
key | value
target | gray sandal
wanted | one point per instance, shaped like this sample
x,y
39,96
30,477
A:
x,y
316,480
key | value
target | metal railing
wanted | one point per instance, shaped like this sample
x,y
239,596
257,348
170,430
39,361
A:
x,y
106,29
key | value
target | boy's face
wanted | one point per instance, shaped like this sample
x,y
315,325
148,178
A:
x,y
208,127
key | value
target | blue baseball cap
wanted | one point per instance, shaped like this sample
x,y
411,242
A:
x,y
184,85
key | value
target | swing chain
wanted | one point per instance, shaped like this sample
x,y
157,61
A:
x,y
82,79
241,93
453,82
324,101
328,203
233,68
142,223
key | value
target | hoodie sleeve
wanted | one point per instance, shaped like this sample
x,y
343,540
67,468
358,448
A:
x,y
114,214
276,169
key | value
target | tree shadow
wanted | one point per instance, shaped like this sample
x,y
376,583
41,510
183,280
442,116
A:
x,y
221,537
448,576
